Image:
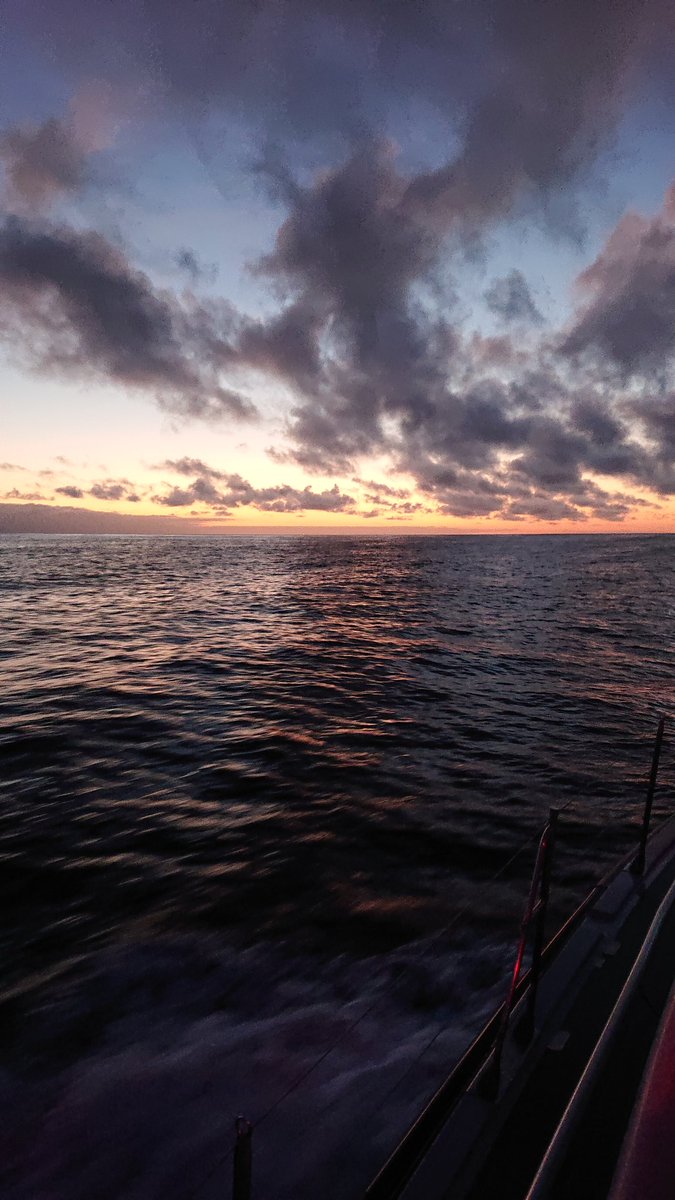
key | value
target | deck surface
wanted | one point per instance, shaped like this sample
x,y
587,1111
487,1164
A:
x,y
595,1149
492,1150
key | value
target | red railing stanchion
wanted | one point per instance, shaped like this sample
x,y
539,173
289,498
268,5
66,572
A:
x,y
527,1027
243,1155
491,1076
638,864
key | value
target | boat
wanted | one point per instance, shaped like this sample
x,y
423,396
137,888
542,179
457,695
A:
x,y
568,1093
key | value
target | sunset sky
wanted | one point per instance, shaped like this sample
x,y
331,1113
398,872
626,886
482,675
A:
x,y
337,265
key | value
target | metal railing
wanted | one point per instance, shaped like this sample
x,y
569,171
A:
x,y
242,1159
535,911
638,866
488,1047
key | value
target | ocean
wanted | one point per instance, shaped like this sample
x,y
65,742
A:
x,y
269,807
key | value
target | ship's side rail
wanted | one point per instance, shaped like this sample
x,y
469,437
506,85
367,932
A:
x,y
481,1065
634,994
496,1055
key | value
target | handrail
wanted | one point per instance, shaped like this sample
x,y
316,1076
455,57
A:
x,y
243,1159
403,1160
486,1049
581,1095
407,1154
537,903
638,865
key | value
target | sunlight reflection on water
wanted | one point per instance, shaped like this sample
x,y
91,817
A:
x,y
312,750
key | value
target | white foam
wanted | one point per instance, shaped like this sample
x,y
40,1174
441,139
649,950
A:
x,y
133,1075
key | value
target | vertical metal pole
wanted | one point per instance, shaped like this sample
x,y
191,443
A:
x,y
243,1155
489,1085
638,864
527,1029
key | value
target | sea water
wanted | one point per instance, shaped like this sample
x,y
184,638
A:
x,y
256,802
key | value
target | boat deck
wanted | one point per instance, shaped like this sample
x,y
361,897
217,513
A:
x,y
592,1154
468,1146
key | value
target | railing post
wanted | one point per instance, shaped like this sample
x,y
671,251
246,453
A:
x,y
638,864
526,1029
489,1084
243,1155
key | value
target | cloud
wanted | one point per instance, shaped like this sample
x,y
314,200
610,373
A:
x,y
238,492
527,94
656,417
356,262
112,489
350,248
629,315
529,88
287,345
15,494
76,304
510,299
45,162
543,508
383,494
559,77
41,162
186,260
75,493
190,466
473,421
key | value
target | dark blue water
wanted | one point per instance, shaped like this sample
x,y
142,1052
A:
x,y
254,795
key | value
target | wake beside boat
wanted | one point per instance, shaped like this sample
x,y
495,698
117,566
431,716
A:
x,y
562,1094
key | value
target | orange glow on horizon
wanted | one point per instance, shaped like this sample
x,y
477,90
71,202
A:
x,y
31,486
252,520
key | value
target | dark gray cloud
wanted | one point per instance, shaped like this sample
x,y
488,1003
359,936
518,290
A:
x,y
543,508
629,318
190,466
381,372
387,375
382,489
237,492
358,337
15,494
41,162
656,417
528,92
553,456
199,272
563,75
510,298
532,87
75,493
286,345
352,251
75,304
111,489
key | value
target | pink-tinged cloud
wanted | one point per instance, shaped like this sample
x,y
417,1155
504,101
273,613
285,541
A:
x,y
628,295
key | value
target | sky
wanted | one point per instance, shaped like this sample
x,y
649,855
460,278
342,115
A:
x,y
337,265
